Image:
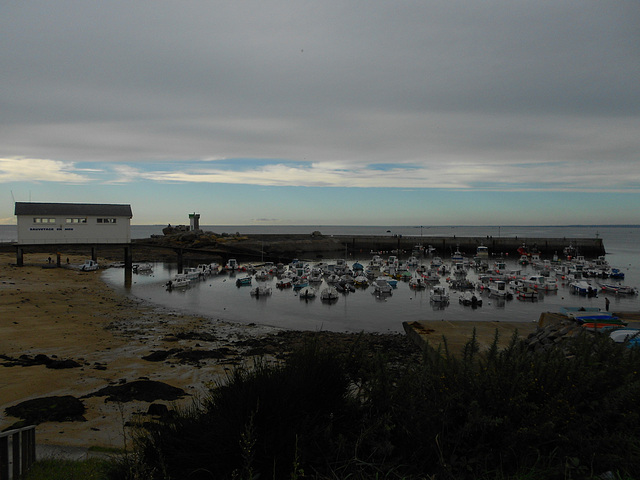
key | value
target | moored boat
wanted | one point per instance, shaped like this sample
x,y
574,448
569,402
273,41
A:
x,y
260,291
618,289
179,281
329,294
439,294
470,298
307,293
381,286
244,281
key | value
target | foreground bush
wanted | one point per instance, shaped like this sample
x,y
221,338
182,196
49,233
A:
x,y
328,414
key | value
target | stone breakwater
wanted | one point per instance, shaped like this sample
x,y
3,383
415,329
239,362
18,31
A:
x,y
315,245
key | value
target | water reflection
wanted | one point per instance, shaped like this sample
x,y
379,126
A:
x,y
217,297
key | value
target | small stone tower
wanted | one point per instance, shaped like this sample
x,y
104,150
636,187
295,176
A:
x,y
194,221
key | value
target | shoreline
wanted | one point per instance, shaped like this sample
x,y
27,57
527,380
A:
x,y
72,316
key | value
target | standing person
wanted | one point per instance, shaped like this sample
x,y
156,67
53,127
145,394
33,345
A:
x,y
606,303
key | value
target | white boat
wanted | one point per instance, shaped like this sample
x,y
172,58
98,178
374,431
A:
x,y
89,265
582,287
263,276
144,268
361,281
430,276
540,282
625,334
413,261
192,273
232,264
260,291
618,289
417,283
457,256
482,252
179,281
470,298
307,293
439,294
526,292
381,286
329,294
499,289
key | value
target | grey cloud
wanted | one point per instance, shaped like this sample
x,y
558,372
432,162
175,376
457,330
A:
x,y
356,81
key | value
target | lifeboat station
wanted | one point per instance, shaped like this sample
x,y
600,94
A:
x,y
77,224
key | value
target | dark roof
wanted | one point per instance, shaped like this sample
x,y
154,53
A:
x,y
94,209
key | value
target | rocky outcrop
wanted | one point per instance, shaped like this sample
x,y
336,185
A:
x,y
553,334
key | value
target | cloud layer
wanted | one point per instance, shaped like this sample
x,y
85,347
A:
x,y
473,96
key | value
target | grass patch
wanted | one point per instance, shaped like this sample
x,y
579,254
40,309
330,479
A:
x,y
56,469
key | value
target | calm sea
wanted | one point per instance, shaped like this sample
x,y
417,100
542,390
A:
x,y
218,297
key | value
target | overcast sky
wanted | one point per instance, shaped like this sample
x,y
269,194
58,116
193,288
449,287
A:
x,y
324,112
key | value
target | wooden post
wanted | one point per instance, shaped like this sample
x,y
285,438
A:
x,y
128,258
4,457
19,259
94,256
179,252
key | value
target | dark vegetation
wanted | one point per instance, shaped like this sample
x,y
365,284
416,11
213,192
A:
x,y
327,413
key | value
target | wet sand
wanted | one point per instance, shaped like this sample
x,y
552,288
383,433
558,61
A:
x,y
68,314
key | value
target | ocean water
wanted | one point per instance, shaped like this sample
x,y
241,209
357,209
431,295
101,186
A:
x,y
218,298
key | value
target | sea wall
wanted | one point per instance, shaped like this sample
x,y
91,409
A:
x,y
361,244
589,247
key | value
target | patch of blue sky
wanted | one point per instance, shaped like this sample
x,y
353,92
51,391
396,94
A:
x,y
392,166
243,164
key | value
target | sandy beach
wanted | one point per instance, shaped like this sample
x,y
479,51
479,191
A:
x,y
73,319
68,314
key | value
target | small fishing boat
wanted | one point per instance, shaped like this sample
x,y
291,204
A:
x,y
307,293
300,282
482,252
618,289
284,283
582,287
260,291
439,294
263,276
329,294
231,265
470,299
381,286
625,334
499,289
89,266
417,283
244,281
142,268
525,292
179,281
361,281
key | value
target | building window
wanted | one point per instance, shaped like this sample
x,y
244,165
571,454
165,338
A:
x,y
44,220
106,220
77,220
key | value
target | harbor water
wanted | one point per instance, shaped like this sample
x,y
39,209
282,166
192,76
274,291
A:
x,y
218,297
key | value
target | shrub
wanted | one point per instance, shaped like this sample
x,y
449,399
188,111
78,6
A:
x,y
510,413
